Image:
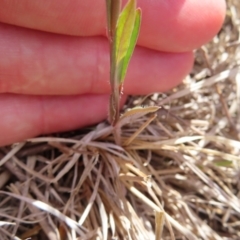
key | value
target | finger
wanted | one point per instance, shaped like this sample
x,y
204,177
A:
x,y
35,62
166,25
23,117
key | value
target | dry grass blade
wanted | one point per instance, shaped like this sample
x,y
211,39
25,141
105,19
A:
x,y
92,198
159,223
11,153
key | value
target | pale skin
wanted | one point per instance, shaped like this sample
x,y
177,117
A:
x,y
54,61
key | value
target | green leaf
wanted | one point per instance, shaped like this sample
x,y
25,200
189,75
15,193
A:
x,y
125,38
123,30
132,45
224,163
125,25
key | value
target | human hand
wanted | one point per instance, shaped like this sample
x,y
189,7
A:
x,y
54,62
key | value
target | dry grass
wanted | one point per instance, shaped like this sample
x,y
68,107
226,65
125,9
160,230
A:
x,y
175,175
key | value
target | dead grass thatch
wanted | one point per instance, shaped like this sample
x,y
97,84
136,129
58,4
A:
x,y
175,174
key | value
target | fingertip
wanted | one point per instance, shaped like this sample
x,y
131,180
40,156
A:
x,y
206,17
180,26
163,71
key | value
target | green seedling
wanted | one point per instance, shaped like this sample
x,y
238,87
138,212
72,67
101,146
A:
x,y
123,30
